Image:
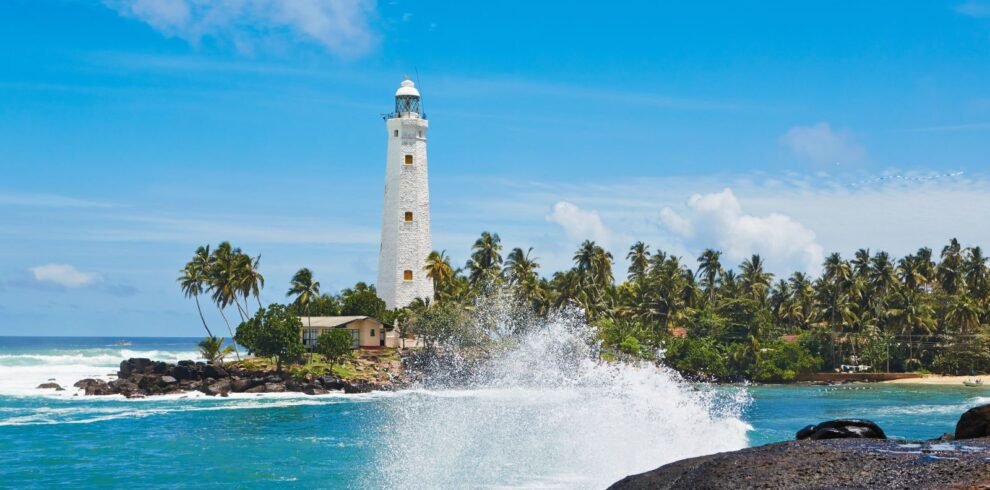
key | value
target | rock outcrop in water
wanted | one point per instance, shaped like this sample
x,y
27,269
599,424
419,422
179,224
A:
x,y
842,429
140,377
850,453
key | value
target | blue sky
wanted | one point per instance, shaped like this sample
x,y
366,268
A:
x,y
133,131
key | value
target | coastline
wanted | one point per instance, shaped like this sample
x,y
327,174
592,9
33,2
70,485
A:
x,y
942,380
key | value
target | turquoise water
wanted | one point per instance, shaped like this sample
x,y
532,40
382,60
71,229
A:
x,y
547,435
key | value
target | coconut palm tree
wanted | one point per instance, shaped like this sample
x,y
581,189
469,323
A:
x,y
520,267
438,269
305,289
710,269
223,283
193,280
250,282
754,280
639,261
486,258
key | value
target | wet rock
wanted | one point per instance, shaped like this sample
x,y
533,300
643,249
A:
x,y
974,423
214,371
274,387
94,387
217,388
312,389
125,387
837,463
50,386
240,385
358,387
842,429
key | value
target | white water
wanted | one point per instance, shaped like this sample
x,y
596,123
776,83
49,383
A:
x,y
547,414
20,374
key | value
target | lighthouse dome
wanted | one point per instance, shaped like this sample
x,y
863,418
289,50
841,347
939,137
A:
x,y
408,88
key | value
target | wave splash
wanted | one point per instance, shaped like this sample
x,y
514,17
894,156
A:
x,y
544,411
21,373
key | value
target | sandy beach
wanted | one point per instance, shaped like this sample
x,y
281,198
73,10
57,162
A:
x,y
935,379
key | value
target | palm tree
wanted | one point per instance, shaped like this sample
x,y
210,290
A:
x,y
223,283
710,269
639,260
486,258
194,278
520,267
249,278
755,282
950,269
438,269
305,289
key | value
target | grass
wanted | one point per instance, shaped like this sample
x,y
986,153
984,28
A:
x,y
362,366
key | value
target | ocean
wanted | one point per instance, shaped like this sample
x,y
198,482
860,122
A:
x,y
536,420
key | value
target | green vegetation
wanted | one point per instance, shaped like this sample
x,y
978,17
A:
x,y
921,312
273,332
213,350
912,313
334,345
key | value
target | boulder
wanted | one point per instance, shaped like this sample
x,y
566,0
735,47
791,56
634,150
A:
x,y
974,423
312,389
842,429
125,387
220,387
331,383
274,387
358,387
256,389
50,386
214,371
181,372
94,387
240,385
167,380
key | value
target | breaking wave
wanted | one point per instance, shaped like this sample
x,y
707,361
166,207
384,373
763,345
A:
x,y
544,411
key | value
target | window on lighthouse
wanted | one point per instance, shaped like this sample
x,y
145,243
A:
x,y
409,159
408,216
395,133
407,275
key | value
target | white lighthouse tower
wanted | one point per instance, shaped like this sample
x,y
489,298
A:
x,y
406,240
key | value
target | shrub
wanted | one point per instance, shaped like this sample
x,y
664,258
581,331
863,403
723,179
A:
x,y
273,332
335,345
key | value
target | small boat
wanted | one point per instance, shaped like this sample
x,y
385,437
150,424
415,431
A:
x,y
974,383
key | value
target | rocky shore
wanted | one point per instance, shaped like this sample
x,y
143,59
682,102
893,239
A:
x,y
839,454
139,378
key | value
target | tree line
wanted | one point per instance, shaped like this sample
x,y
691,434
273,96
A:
x,y
923,311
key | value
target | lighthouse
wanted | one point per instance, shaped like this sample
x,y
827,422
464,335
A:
x,y
406,240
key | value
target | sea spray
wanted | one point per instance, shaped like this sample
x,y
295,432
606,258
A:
x,y
540,409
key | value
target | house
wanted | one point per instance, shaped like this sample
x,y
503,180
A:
x,y
366,332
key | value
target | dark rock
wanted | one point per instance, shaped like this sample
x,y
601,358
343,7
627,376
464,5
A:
x,y
214,371
185,363
358,387
159,367
312,389
124,387
220,387
331,383
94,387
256,389
974,423
125,369
240,385
274,387
838,463
50,386
842,429
182,372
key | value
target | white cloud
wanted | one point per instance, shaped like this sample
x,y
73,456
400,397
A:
x,y
719,220
580,225
677,223
63,275
340,26
822,145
